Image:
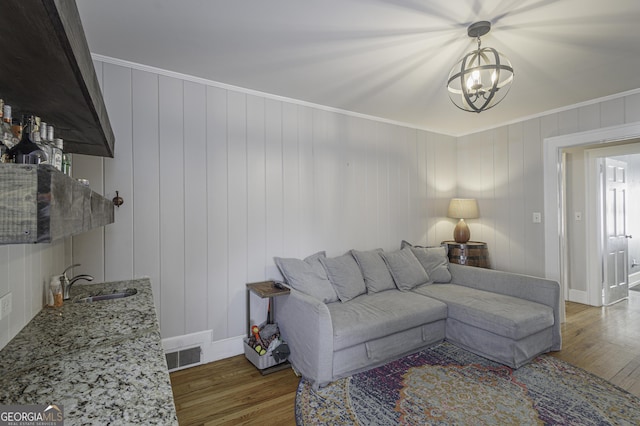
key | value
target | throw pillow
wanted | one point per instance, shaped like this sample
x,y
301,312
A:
x,y
434,260
308,276
375,272
345,276
406,270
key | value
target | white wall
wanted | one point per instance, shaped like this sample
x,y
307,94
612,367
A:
x,y
503,168
25,270
217,181
576,182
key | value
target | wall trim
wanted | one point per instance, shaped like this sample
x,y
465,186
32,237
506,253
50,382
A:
x,y
211,350
578,296
557,110
187,341
207,82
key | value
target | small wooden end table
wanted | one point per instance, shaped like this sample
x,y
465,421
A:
x,y
471,253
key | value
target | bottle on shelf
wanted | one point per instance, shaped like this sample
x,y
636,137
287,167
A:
x,y
5,132
26,151
6,112
4,158
56,153
16,131
66,164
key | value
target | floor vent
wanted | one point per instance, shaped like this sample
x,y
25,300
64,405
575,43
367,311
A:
x,y
183,358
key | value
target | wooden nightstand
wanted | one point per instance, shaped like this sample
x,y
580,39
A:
x,y
471,253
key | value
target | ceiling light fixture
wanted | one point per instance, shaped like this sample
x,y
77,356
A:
x,y
482,78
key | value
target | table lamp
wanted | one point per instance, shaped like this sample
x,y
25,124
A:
x,y
462,208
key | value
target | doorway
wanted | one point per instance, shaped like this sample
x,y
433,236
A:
x,y
556,243
602,193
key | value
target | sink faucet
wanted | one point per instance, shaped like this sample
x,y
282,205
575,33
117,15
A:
x,y
67,283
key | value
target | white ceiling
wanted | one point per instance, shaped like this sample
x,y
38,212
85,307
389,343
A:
x,y
385,58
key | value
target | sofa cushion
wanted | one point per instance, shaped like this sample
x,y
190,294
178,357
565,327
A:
x,y
506,316
405,269
345,276
434,260
372,316
375,272
308,276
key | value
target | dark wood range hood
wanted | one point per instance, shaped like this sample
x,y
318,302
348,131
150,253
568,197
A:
x,y
46,70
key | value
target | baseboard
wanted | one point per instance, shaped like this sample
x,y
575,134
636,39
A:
x,y
634,279
578,296
210,351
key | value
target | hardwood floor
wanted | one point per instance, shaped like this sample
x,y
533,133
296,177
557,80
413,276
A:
x,y
604,341
233,392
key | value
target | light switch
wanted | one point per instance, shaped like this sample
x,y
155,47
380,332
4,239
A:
x,y
537,217
578,215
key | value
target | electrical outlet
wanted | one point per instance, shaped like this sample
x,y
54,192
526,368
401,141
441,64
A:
x,y
5,306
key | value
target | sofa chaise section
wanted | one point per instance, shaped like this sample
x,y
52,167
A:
x,y
510,330
534,289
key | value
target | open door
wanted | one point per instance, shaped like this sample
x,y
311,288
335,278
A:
x,y
615,254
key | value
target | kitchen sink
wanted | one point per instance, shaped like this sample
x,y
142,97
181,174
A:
x,y
116,294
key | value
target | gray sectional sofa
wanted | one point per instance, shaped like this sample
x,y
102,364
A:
x,y
356,311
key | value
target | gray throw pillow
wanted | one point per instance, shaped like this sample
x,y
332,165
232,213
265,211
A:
x,y
375,272
345,276
405,269
434,260
308,276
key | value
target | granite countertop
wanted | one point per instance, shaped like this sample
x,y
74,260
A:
x,y
103,361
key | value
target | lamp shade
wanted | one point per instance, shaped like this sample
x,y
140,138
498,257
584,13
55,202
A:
x,y
463,208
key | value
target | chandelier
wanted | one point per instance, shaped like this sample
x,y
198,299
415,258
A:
x,y
482,78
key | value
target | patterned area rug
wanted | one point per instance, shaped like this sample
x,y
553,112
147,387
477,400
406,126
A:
x,y
446,385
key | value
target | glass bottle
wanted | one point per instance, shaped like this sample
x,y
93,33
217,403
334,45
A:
x,y
16,131
26,151
56,291
5,141
56,153
66,164
4,158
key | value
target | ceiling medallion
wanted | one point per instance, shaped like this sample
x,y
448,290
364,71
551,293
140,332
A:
x,y
482,78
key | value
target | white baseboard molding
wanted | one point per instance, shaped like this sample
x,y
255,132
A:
x,y
221,349
578,296
186,341
211,350
634,279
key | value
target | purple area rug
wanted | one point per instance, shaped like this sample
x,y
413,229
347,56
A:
x,y
446,385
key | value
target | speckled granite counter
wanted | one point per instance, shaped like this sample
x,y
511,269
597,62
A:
x,y
103,361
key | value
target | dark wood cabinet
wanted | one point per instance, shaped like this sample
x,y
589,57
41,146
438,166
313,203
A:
x,y
46,70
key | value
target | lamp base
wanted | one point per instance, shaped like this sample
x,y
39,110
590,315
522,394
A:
x,y
461,232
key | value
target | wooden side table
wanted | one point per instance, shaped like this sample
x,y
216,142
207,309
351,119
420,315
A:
x,y
265,289
471,253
